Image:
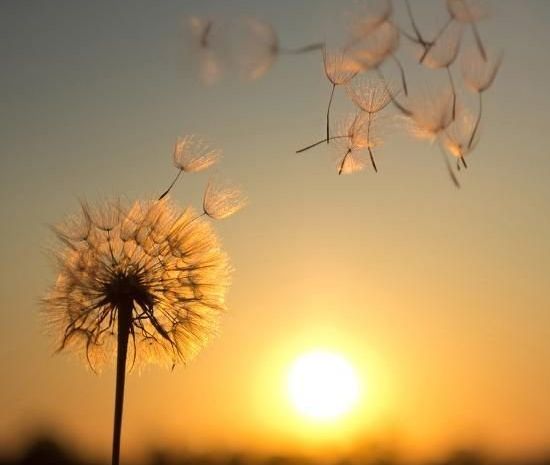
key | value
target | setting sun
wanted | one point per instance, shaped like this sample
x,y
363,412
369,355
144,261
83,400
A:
x,y
323,385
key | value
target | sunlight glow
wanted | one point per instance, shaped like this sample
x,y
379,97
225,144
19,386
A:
x,y
323,385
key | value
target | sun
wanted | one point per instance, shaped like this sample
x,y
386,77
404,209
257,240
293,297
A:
x,y
323,385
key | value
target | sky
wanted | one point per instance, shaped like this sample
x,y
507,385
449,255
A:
x,y
437,296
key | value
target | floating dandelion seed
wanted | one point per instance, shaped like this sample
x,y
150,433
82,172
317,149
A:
x,y
374,15
148,281
377,47
360,135
210,63
339,70
192,154
428,115
456,138
260,48
444,53
479,75
222,200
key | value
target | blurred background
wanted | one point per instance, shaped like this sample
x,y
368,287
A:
x,y
437,296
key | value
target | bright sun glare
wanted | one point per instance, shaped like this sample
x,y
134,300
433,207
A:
x,y
323,385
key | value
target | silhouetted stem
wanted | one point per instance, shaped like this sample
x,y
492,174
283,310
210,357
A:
x,y
328,112
124,322
402,71
165,193
453,90
452,175
305,49
476,126
319,143
479,43
419,37
371,155
343,162
400,107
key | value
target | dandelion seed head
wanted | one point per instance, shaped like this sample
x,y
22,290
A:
x,y
165,264
192,154
222,199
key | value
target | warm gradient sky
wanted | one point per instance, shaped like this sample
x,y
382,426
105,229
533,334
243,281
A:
x,y
438,296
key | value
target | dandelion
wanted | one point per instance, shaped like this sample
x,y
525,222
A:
x,y
148,281
359,136
376,47
222,199
339,70
479,75
210,67
192,154
456,138
364,24
356,134
443,54
428,115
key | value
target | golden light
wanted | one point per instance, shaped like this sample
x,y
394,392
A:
x,y
323,385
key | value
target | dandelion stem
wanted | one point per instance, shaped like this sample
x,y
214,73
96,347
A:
x,y
451,81
124,322
452,175
479,42
419,37
328,112
305,49
341,169
165,193
402,71
319,143
436,38
476,126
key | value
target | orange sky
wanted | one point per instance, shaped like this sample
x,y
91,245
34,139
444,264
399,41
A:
x,y
437,296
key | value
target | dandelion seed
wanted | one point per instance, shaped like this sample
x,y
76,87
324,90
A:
x,y
479,76
259,49
146,282
456,138
192,154
430,114
210,63
376,47
222,200
364,23
350,156
444,53
339,70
